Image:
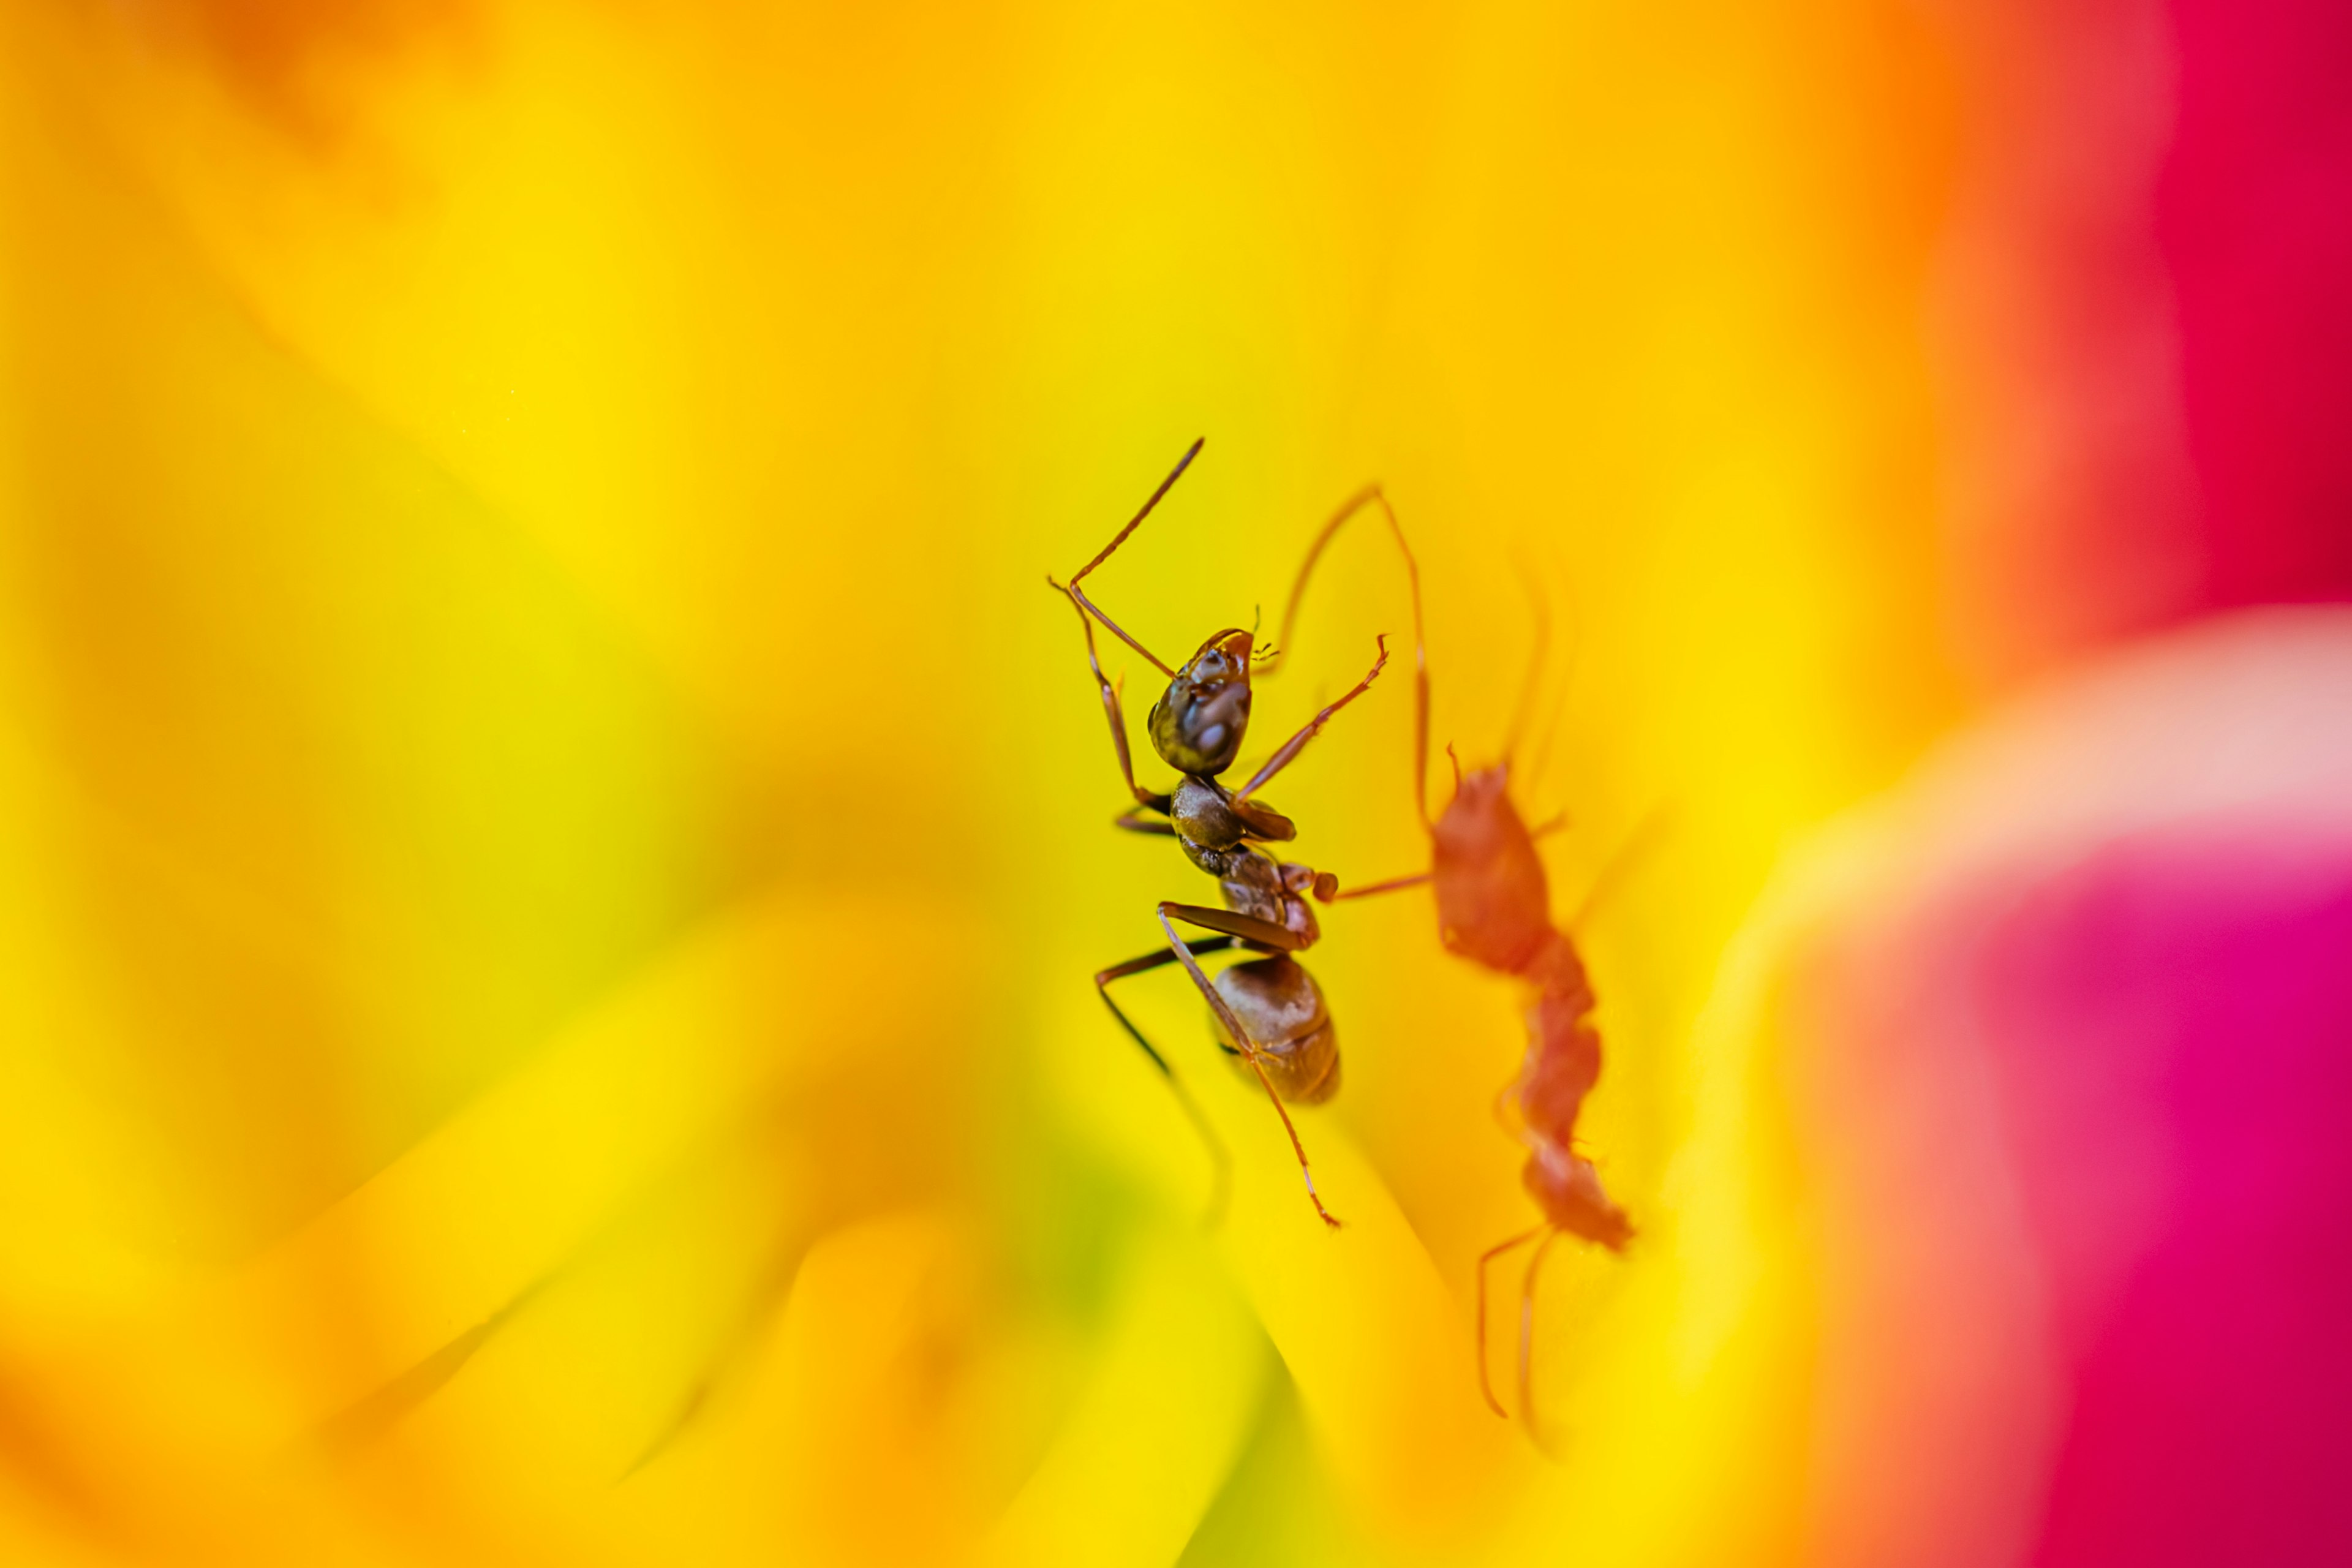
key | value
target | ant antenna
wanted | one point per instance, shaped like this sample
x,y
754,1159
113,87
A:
x,y
1486,1385
1535,656
1136,522
1078,595
1528,1336
1559,712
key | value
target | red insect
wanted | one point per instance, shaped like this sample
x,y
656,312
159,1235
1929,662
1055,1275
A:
x,y
1493,908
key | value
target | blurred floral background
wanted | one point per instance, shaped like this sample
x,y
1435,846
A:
x,y
552,838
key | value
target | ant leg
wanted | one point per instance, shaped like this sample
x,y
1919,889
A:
x,y
1149,962
1527,1335
1485,1257
1144,797
1373,889
1355,504
1263,822
1549,825
1128,822
1248,928
1314,727
1348,509
1240,1037
1221,1162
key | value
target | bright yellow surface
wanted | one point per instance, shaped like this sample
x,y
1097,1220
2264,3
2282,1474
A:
x,y
552,837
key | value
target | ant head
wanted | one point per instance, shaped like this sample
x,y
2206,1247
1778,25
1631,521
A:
x,y
1481,797
1198,725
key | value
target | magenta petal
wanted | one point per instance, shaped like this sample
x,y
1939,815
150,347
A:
x,y
2192,993
2254,213
2071,1052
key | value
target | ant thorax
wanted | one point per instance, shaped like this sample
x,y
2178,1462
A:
x,y
1494,904
1217,838
1254,883
1209,818
1206,821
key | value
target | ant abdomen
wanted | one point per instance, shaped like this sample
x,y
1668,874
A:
x,y
1283,1010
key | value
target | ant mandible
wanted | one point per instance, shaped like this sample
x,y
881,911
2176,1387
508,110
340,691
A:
x,y
1493,908
1267,1009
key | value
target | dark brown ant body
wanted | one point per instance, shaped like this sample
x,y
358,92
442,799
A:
x,y
1267,1010
1493,908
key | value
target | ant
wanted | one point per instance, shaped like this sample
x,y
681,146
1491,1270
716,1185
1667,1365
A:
x,y
1267,1010
1493,908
